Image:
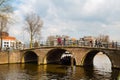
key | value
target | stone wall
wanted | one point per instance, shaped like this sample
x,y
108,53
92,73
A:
x,y
3,57
9,57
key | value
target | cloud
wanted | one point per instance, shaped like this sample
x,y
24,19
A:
x,y
92,6
74,18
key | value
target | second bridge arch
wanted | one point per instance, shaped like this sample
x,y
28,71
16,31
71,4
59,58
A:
x,y
59,56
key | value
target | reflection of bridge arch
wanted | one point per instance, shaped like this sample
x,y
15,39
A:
x,y
30,57
88,59
54,56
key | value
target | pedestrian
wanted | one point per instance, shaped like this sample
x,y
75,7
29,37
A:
x,y
96,43
91,43
59,41
113,45
64,41
99,43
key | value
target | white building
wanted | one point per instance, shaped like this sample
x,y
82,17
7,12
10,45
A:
x,y
9,41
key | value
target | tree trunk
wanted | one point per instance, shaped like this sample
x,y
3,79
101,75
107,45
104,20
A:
x,y
31,40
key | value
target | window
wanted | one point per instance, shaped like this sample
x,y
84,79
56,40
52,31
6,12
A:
x,y
6,44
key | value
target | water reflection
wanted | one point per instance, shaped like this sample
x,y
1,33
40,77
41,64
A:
x,y
60,72
102,62
55,72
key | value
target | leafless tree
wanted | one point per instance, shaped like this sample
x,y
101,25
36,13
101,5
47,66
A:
x,y
5,6
5,9
33,26
104,38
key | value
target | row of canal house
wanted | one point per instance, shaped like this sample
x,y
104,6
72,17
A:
x,y
90,41
53,40
68,41
9,42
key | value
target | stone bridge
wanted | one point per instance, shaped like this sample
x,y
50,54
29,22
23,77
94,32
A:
x,y
81,56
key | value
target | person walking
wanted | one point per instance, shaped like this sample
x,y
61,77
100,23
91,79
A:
x,y
59,41
64,41
96,43
91,43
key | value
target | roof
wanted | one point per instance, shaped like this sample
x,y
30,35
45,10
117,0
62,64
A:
x,y
8,38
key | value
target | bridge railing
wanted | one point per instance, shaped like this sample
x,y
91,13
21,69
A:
x,y
110,45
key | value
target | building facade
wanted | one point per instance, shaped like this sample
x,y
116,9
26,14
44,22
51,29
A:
x,y
7,41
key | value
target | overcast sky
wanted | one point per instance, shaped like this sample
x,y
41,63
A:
x,y
76,18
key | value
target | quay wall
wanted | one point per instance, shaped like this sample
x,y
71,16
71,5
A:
x,y
9,57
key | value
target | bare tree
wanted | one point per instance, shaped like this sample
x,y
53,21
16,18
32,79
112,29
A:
x,y
104,38
5,9
33,26
5,6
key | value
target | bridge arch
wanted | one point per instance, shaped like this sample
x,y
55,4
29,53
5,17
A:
x,y
30,57
88,59
54,56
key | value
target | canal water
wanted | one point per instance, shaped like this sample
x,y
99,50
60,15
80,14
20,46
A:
x,y
101,71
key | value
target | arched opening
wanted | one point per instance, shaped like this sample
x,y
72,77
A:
x,y
92,57
89,58
102,62
59,56
30,57
67,59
